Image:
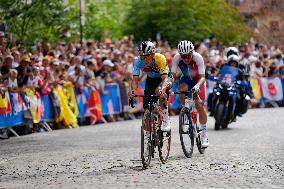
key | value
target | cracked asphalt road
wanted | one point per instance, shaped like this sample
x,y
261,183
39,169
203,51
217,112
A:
x,y
249,154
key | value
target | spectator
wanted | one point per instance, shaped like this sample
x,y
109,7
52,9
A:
x,y
7,65
12,81
272,72
278,59
257,70
281,71
90,74
34,80
107,71
24,70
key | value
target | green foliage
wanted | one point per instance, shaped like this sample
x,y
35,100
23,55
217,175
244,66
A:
x,y
31,21
34,20
104,16
185,19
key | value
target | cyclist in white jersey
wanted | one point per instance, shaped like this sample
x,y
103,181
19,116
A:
x,y
192,68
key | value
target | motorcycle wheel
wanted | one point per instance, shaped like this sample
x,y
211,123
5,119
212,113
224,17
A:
x,y
218,116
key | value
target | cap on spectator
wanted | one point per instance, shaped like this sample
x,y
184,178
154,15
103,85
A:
x,y
108,63
55,62
117,52
26,58
92,61
2,34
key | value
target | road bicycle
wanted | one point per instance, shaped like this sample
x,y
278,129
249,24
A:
x,y
188,128
152,121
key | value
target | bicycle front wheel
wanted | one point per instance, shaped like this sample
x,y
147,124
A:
x,y
165,145
198,142
186,133
146,143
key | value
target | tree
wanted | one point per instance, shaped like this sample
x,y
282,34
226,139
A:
x,y
104,16
34,20
185,19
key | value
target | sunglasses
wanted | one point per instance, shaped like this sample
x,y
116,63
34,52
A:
x,y
186,56
145,57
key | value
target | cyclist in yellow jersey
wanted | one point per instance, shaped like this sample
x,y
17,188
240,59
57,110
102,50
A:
x,y
158,77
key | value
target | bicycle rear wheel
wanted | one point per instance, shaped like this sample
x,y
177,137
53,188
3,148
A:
x,y
146,143
186,133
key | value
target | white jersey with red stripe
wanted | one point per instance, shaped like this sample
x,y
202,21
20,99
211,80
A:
x,y
193,70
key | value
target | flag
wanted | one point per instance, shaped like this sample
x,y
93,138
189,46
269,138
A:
x,y
94,109
256,88
272,88
5,104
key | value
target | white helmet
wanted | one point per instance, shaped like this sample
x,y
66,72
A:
x,y
234,58
232,50
146,48
185,47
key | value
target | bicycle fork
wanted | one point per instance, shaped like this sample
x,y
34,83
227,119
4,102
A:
x,y
193,124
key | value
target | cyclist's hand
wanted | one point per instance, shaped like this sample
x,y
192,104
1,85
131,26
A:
x,y
162,93
131,94
196,89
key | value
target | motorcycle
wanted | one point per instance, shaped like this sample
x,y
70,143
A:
x,y
224,97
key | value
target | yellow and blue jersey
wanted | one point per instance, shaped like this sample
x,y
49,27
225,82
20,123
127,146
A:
x,y
158,67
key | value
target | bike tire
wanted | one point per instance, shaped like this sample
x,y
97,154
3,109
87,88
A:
x,y
186,134
198,143
146,158
165,145
218,116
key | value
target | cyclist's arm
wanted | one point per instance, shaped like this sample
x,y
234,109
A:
x,y
134,83
201,70
164,71
174,67
164,82
136,73
201,79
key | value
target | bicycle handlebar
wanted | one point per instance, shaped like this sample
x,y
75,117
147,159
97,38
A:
x,y
184,92
131,101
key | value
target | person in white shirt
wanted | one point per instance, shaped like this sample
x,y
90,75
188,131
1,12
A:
x,y
12,81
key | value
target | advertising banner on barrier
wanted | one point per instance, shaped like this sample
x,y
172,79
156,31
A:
x,y
15,111
111,101
82,100
13,115
48,114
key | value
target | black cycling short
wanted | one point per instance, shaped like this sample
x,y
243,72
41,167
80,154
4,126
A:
x,y
150,87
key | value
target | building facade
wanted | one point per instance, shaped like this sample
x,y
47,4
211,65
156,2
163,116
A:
x,y
265,18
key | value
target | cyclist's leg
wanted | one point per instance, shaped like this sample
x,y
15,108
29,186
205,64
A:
x,y
163,102
150,86
199,104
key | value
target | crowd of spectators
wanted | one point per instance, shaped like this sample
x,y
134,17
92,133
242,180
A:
x,y
259,60
99,63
